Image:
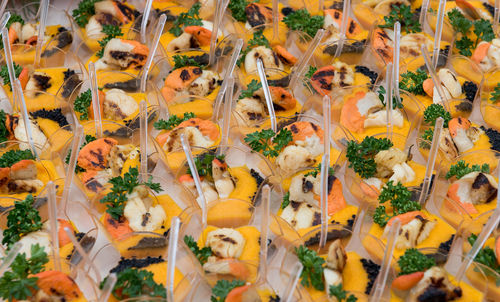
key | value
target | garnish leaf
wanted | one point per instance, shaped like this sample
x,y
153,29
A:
x,y
203,163
495,95
338,292
361,155
82,104
381,96
189,18
182,61
400,198
317,170
4,73
414,261
487,257
408,19
312,273
413,82
237,8
461,168
133,282
286,200
433,112
253,86
111,31
482,29
302,20
222,289
201,254
21,220
268,142
13,156
173,121
84,11
427,137
258,39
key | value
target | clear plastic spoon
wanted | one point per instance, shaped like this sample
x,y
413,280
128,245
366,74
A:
x,y
264,232
79,248
220,8
26,117
325,164
144,21
143,116
44,10
395,61
171,257
226,117
70,172
380,284
304,59
196,177
439,31
429,169
9,62
496,15
2,8
152,51
435,79
343,27
388,99
5,19
107,289
327,122
292,282
52,207
423,12
267,94
95,100
9,258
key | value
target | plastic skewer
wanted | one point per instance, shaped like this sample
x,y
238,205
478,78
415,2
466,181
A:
x,y
423,12
9,258
95,100
304,59
152,51
437,34
276,19
267,94
4,20
44,10
220,7
9,62
226,117
325,164
171,257
388,99
107,289
481,239
395,61
327,120
3,6
83,253
196,177
144,21
143,113
435,79
380,284
70,172
496,15
438,128
26,118
264,232
343,27
292,282
52,205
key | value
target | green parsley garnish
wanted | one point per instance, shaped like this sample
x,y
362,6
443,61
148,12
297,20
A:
x,y
407,18
173,121
21,220
400,198
286,200
84,11
111,31
433,112
222,288
19,283
311,71
237,8
13,156
191,17
4,133
427,137
317,170
116,199
381,96
312,273
133,282
461,168
495,95
361,155
4,74
252,87
82,104
303,21
413,82
338,292
414,261
258,39
486,256
201,254
182,61
203,163
268,141
88,138
483,30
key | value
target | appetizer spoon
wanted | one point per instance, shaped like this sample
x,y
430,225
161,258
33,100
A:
x,y
44,10
226,117
9,62
144,21
95,100
220,8
9,258
327,120
152,51
304,59
26,117
70,172
171,257
423,11
388,99
276,19
343,27
109,284
144,138
395,61
82,253
4,20
434,77
438,127
496,15
325,164
437,34
2,8
53,224
292,282
264,232
267,94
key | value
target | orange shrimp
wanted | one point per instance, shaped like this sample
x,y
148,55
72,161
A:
x,y
381,44
24,77
369,190
206,127
350,117
102,96
497,249
119,14
58,283
282,98
322,79
162,138
4,176
140,50
406,282
13,37
201,34
302,130
63,237
480,52
453,195
458,123
336,200
117,229
179,80
285,55
428,86
236,294
94,155
353,28
239,269
406,217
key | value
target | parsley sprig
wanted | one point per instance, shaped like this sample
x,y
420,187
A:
x,y
88,138
413,82
426,137
116,199
252,87
302,20
433,112
400,199
222,288
338,292
237,8
19,283
317,170
361,155
203,163
189,18
495,95
13,156
258,39
482,29
414,261
286,200
407,18
461,168
268,142
312,273
486,256
82,104
4,133
4,74
173,121
395,102
21,220
183,60
84,11
111,31
133,282
201,254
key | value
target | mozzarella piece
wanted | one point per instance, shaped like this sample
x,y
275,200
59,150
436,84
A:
x,y
302,188
413,233
403,173
39,139
369,103
332,277
344,74
312,144
379,119
301,215
494,53
462,141
118,105
226,242
293,158
435,95
141,219
450,82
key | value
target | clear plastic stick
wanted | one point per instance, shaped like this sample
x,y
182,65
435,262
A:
x,y
79,248
343,27
144,21
107,289
143,122
4,20
44,9
171,257
226,117
9,62
220,7
292,282
229,71
325,164
276,19
496,16
380,284
2,8
388,99
267,94
95,100
54,234
437,34
481,239
264,232
26,118
152,51
327,122
196,177
435,79
395,61
423,12
429,169
9,258
304,59
70,172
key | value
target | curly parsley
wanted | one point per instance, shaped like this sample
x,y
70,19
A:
x,y
173,121
82,104
317,170
237,8
413,82
338,292
433,112
407,18
88,138
111,31
461,168
201,254
268,141
13,156
203,163
84,11
182,61
252,87
222,288
286,200
133,282
482,29
4,74
381,96
414,261
21,220
191,17
361,155
400,199
312,273
302,20
426,137
258,39
495,95
487,257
